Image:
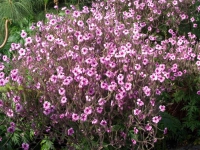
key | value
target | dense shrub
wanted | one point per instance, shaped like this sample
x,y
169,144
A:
x,y
91,78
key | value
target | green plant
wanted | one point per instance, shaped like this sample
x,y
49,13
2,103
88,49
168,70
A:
x,y
47,144
183,109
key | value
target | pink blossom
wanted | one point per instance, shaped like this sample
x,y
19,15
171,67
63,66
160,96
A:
x,y
63,100
28,40
76,14
136,111
99,110
162,108
83,117
70,131
75,117
23,34
46,105
148,127
133,141
18,107
95,121
1,103
165,131
10,113
140,102
61,91
88,110
101,101
25,146
103,122
11,129
136,130
156,119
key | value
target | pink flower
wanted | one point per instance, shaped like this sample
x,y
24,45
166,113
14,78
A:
x,y
175,2
75,117
67,11
99,110
46,105
28,40
70,131
88,110
80,38
67,80
165,131
140,102
25,146
16,99
147,90
83,117
136,111
104,85
53,78
127,86
120,77
61,91
76,14
63,100
1,103
119,96
135,130
22,52
162,108
137,67
11,129
133,141
1,67
84,50
148,127
52,22
198,92
80,23
10,113
94,121
192,19
23,34
18,107
50,38
47,111
156,119
101,102
103,122
198,63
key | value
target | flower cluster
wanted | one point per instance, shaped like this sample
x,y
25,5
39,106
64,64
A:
x,y
87,71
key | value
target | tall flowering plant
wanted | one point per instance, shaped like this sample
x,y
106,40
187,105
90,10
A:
x,y
93,75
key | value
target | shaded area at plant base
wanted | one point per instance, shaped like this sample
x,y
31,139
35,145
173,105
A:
x,y
188,147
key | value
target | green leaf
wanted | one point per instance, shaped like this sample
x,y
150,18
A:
x,y
179,95
192,124
172,123
133,135
47,145
116,127
16,139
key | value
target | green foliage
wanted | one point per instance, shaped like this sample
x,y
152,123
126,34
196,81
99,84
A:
x,y
15,11
173,125
179,95
47,144
186,27
183,110
78,3
16,139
